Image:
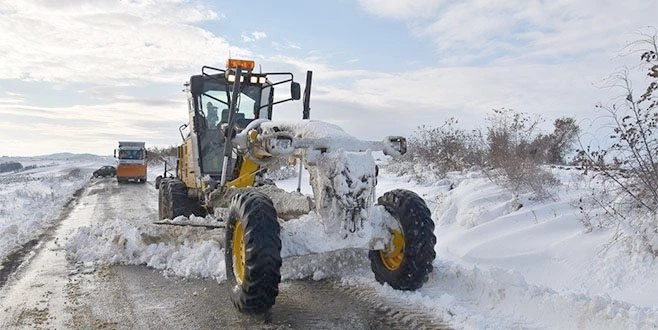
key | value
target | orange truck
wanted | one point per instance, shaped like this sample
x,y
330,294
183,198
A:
x,y
131,161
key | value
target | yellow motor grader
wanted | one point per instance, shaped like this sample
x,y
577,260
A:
x,y
231,141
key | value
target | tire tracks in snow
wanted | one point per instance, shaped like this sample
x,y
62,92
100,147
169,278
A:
x,y
397,314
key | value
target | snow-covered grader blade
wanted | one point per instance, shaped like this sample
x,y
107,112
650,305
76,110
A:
x,y
229,143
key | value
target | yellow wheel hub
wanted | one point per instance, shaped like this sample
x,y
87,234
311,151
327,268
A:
x,y
239,258
393,255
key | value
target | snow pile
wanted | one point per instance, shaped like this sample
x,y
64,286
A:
x,y
188,251
474,297
534,262
32,199
182,251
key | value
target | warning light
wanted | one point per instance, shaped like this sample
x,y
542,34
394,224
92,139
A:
x,y
244,64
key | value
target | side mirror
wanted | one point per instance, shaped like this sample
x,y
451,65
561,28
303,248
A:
x,y
395,146
295,91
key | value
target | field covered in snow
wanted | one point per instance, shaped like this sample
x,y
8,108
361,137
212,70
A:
x,y
32,199
502,261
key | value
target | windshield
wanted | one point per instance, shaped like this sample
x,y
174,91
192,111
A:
x,y
214,105
131,154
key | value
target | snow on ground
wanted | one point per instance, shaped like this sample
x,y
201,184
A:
x,y
32,199
502,262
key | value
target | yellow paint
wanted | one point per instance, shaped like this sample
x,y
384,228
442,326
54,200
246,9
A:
x,y
247,175
185,168
239,252
393,255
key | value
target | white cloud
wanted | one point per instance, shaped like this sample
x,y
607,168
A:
x,y
253,36
285,46
32,130
11,98
374,104
401,9
474,31
106,41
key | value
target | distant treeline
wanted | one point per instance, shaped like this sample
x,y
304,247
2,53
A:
x,y
10,167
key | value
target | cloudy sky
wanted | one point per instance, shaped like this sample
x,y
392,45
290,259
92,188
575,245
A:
x,y
77,76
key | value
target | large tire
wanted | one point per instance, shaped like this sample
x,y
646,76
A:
x,y
407,263
173,200
158,179
163,199
253,252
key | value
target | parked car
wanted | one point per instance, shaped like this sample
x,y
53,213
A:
x,y
105,171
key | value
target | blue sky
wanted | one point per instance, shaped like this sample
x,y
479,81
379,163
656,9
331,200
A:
x,y
77,76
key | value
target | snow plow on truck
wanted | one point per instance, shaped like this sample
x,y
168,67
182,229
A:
x,y
229,143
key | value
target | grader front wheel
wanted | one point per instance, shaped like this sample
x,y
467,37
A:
x,y
405,264
253,252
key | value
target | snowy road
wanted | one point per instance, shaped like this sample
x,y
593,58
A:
x,y
49,291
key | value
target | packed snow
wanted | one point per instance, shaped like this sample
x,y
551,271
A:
x,y
503,261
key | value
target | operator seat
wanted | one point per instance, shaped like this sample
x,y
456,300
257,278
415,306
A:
x,y
240,119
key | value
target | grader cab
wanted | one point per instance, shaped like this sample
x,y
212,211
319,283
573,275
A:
x,y
232,141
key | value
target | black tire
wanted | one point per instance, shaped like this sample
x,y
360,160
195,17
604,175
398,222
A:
x,y
408,267
173,200
254,275
163,199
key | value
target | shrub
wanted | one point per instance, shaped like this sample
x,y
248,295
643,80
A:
x,y
157,155
553,148
436,151
10,166
630,162
513,156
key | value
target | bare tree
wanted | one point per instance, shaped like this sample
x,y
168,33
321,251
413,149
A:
x,y
631,161
513,159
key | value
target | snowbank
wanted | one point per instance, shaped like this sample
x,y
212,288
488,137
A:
x,y
31,199
503,261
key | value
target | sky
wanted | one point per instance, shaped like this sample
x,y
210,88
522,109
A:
x,y
78,76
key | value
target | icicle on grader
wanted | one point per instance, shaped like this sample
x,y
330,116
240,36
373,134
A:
x,y
229,143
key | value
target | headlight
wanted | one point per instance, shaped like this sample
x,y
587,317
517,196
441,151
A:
x,y
280,145
257,79
231,78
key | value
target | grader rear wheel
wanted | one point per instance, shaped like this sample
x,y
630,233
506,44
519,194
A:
x,y
253,252
173,200
405,264
162,199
